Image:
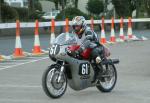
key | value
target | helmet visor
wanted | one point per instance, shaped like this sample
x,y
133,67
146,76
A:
x,y
77,28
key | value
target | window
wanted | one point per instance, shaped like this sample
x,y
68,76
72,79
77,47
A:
x,y
15,4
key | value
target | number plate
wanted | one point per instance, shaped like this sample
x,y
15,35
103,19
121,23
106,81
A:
x,y
84,69
54,49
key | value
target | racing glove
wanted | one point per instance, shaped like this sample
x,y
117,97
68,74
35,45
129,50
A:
x,y
75,54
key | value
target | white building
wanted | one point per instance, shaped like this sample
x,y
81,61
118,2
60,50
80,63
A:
x,y
17,3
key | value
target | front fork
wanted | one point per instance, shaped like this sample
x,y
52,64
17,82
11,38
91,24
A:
x,y
61,72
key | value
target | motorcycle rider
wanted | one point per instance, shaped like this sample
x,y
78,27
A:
x,y
87,38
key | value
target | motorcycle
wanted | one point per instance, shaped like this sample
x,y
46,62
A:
x,y
77,73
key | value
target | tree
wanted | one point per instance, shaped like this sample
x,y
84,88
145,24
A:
x,y
35,8
56,2
63,3
30,5
59,2
124,8
2,1
70,13
8,13
38,6
147,6
35,5
95,6
76,3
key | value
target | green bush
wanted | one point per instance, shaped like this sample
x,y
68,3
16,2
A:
x,y
70,13
38,6
95,6
34,15
23,13
8,13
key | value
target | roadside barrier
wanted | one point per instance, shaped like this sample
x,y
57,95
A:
x,y
36,48
144,38
67,29
130,35
18,52
92,23
102,38
1,58
62,23
52,37
121,35
112,37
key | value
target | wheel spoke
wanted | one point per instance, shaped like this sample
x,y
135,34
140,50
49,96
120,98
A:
x,y
109,78
54,88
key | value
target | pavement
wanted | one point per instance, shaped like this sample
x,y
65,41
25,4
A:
x,y
20,79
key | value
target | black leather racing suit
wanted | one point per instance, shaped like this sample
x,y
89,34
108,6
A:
x,y
89,39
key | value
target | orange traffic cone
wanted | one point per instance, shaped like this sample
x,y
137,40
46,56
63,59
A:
x,y
103,38
129,28
1,58
52,31
92,23
121,35
37,48
18,52
112,37
67,29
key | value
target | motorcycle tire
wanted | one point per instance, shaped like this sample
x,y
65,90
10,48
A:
x,y
50,86
101,85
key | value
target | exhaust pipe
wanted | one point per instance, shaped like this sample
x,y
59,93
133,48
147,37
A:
x,y
110,61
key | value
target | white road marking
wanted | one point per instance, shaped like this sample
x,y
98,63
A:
x,y
10,100
8,62
24,63
2,66
20,86
33,57
19,60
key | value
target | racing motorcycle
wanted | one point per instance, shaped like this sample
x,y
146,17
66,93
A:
x,y
77,73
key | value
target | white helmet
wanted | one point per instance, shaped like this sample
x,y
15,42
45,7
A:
x,y
78,24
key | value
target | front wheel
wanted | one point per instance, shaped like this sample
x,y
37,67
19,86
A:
x,y
107,82
51,86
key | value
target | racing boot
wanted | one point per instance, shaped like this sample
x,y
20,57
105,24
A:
x,y
98,69
101,68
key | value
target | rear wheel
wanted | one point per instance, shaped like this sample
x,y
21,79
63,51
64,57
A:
x,y
107,82
51,87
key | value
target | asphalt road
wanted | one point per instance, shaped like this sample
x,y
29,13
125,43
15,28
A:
x,y
22,83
